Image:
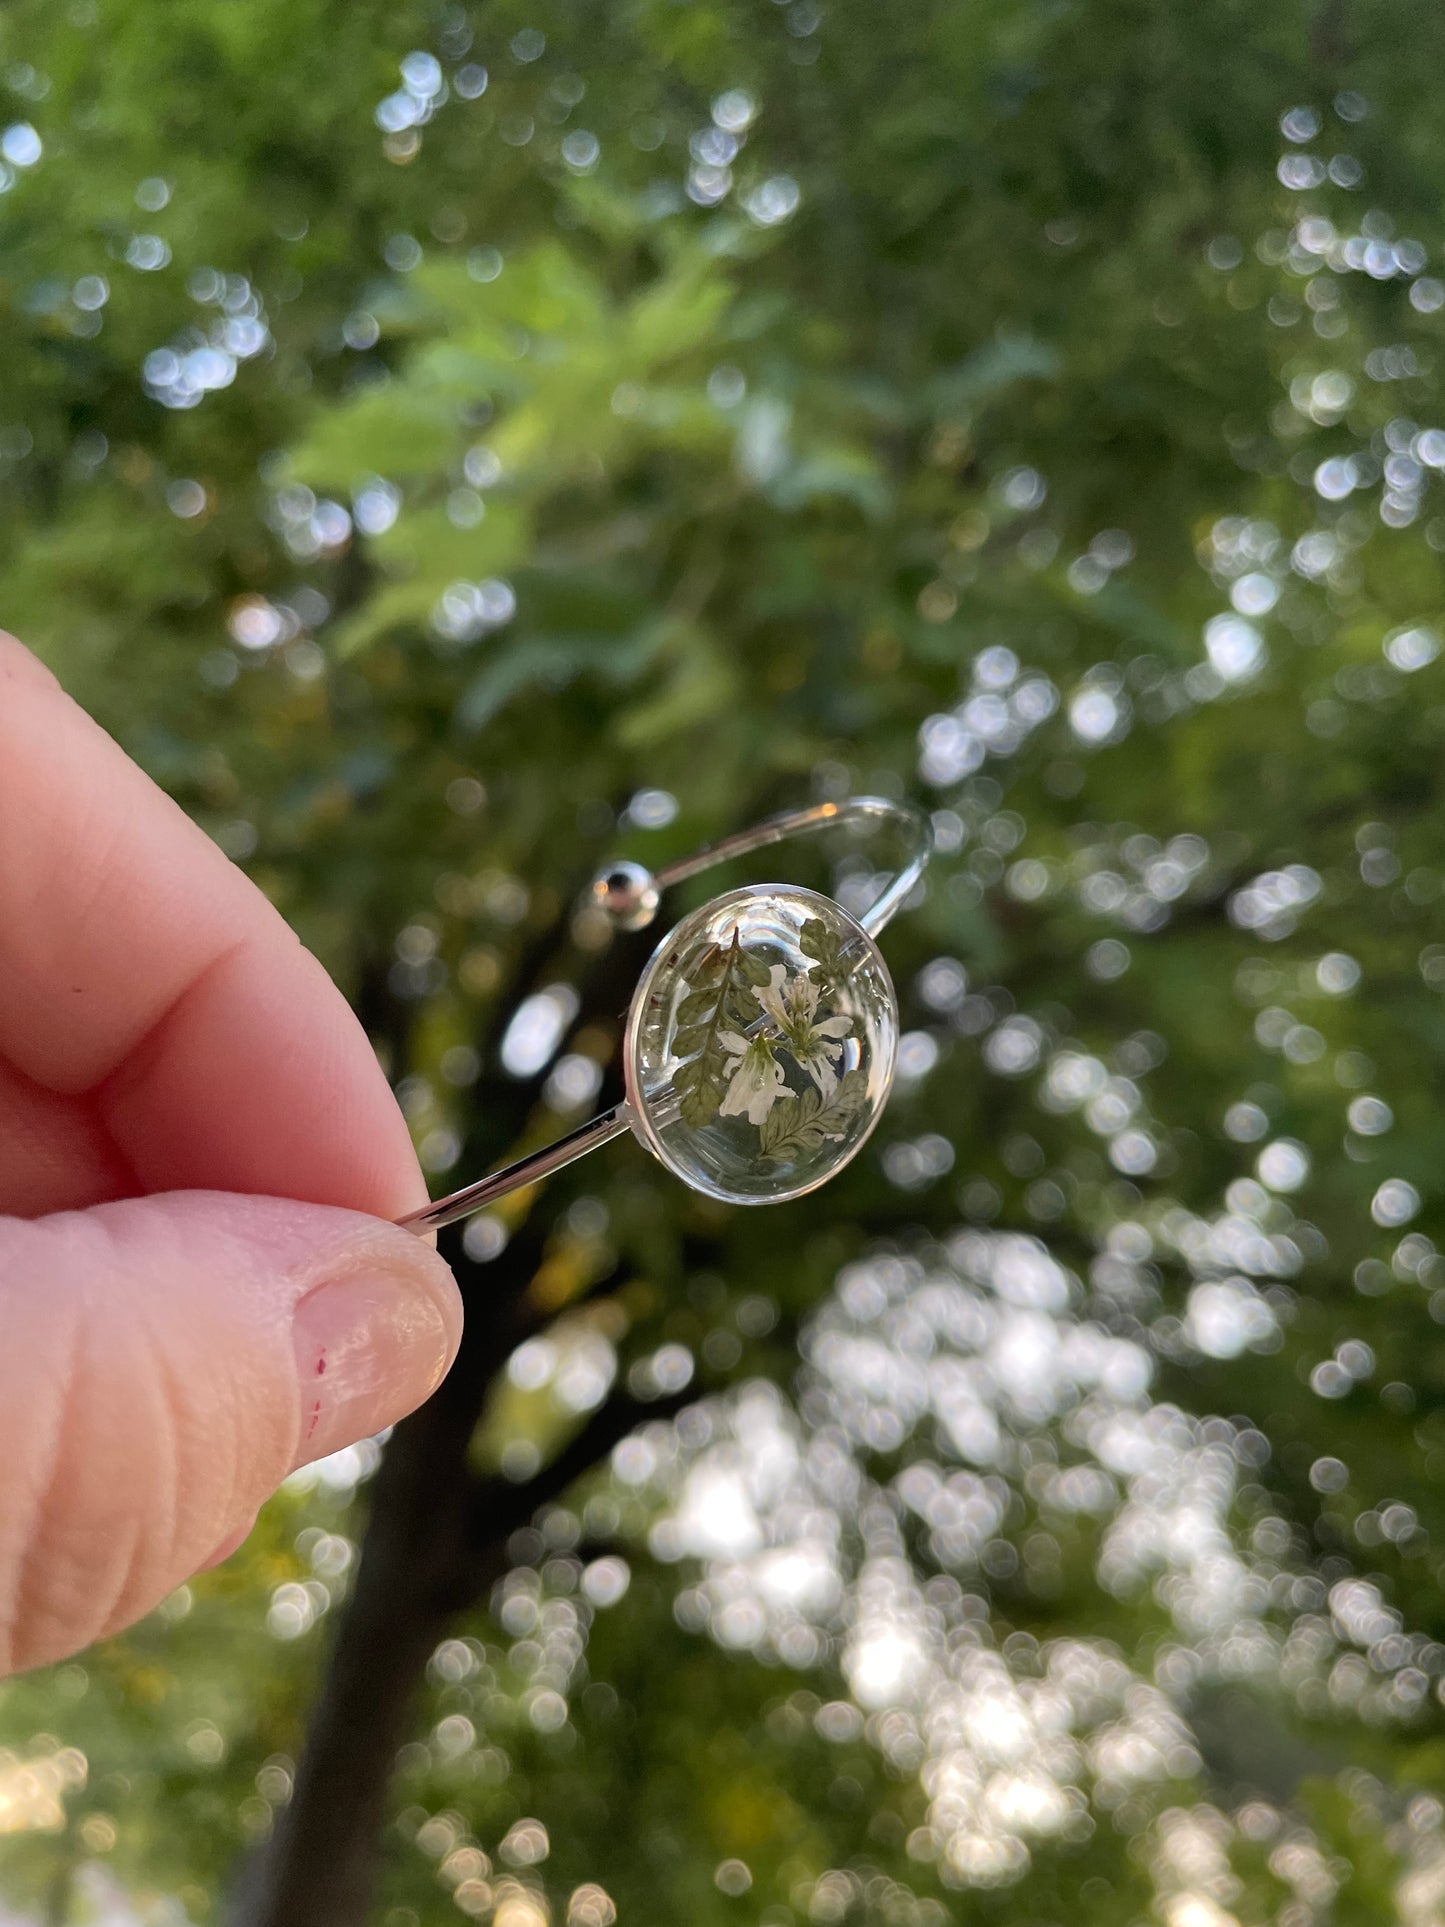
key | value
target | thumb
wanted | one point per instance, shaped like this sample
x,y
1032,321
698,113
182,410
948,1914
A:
x,y
164,1363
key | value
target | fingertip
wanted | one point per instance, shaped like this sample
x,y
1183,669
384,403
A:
x,y
167,1360
19,665
233,1542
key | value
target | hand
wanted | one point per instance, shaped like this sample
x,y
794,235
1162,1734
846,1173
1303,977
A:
x,y
199,1290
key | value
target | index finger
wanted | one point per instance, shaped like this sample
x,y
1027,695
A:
x,y
138,965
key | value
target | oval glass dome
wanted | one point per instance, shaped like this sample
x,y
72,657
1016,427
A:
x,y
760,1044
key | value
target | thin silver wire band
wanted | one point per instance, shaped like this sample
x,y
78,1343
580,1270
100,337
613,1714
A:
x,y
858,810
822,816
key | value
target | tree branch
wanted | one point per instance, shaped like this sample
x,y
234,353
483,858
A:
x,y
498,1507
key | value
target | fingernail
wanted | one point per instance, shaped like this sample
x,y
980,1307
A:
x,y
369,1348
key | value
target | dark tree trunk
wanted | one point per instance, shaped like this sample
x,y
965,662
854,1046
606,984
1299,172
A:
x,y
436,1540
319,1868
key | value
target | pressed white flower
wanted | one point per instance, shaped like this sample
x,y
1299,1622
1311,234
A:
x,y
756,1081
792,1004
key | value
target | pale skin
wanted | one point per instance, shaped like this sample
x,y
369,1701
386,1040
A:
x,y
200,1288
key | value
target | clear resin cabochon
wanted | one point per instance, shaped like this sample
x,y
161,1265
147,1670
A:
x,y
760,1045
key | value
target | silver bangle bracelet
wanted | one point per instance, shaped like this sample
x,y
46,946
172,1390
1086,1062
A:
x,y
762,1034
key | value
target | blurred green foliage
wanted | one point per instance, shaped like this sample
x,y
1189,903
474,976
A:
x,y
449,445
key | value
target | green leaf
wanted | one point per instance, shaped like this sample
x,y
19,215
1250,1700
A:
x,y
397,431
802,1121
711,1006
551,662
838,473
754,971
397,605
425,543
692,1010
991,370
823,944
701,687
678,313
